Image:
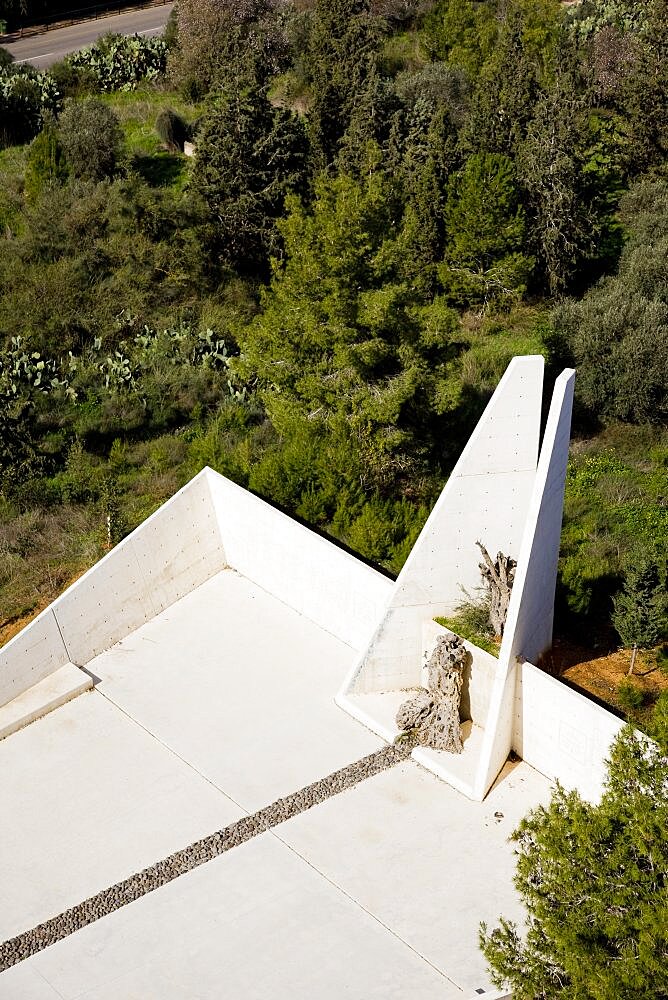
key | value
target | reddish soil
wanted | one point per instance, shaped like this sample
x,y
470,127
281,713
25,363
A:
x,y
601,673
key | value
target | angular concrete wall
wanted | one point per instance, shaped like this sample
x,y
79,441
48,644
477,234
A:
x,y
487,499
37,651
528,630
307,572
562,733
173,551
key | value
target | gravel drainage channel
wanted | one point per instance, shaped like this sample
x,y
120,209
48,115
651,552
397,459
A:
x,y
18,948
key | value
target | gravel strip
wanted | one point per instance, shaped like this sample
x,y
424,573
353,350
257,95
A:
x,y
18,948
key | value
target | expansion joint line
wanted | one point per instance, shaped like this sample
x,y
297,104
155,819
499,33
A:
x,y
23,946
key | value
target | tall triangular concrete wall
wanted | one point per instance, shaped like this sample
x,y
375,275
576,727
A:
x,y
487,499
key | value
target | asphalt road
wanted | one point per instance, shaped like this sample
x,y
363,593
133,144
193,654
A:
x,y
43,50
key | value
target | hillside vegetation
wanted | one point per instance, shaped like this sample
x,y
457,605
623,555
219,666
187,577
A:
x,y
388,201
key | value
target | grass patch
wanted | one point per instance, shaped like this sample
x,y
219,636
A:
x,y
163,169
495,340
471,622
401,52
137,111
41,551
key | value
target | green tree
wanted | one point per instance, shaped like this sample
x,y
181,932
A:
x,y
90,135
644,98
250,155
641,608
345,339
461,33
221,41
550,163
594,881
509,83
485,233
45,164
342,46
617,335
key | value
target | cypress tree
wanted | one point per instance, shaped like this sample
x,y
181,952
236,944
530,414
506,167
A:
x,y
641,608
342,46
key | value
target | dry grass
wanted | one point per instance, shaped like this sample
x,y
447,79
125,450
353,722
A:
x,y
41,552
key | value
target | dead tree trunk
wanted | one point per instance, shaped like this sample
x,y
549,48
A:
x,y
499,577
433,714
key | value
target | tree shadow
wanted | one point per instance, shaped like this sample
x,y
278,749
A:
x,y
160,169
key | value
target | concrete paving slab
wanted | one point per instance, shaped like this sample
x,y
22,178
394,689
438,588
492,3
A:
x,y
88,797
256,923
242,687
47,695
427,862
24,982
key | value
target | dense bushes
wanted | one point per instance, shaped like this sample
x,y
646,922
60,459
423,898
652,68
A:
x,y
119,62
90,135
617,334
27,98
46,165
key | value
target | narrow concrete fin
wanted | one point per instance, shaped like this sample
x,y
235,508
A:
x,y
486,498
528,631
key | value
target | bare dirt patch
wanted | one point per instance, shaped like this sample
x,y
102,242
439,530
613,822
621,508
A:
x,y
601,673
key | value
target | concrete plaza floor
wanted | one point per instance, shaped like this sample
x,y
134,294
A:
x,y
218,706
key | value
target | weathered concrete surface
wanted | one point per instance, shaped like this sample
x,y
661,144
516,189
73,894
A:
x,y
339,901
167,556
383,842
528,631
309,573
562,734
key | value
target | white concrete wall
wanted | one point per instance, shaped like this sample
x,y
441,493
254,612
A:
x,y
37,651
562,733
307,572
528,630
486,499
174,550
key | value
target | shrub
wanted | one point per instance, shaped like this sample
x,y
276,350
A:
x,y
630,696
46,165
5,57
171,128
90,134
26,99
593,881
120,62
617,335
71,80
471,621
223,41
